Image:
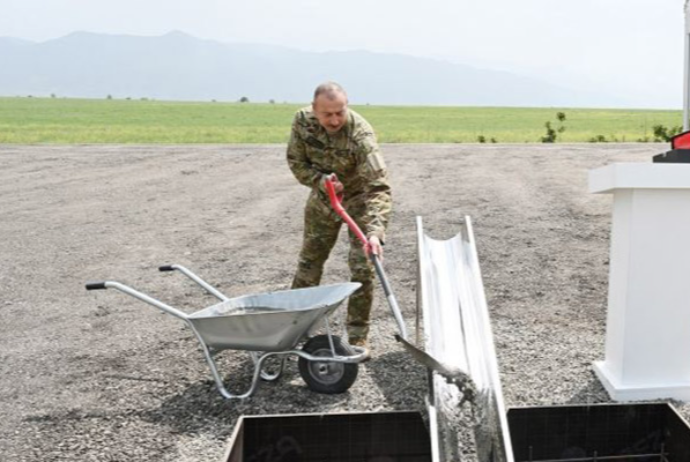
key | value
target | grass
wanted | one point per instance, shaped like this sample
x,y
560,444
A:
x,y
25,120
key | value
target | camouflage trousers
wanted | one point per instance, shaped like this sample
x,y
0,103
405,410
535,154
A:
x,y
321,228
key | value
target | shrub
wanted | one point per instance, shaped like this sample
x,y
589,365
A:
x,y
552,133
662,133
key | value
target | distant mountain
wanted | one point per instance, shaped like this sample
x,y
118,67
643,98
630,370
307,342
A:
x,y
177,66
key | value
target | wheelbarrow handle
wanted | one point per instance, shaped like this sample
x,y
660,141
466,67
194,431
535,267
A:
x,y
209,288
136,294
336,203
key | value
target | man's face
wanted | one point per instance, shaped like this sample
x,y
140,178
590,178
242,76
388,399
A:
x,y
331,113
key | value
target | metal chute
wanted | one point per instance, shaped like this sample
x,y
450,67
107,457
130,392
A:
x,y
457,335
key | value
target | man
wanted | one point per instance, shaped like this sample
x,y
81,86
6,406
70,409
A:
x,y
328,138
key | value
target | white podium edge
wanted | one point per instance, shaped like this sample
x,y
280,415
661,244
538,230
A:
x,y
619,392
620,175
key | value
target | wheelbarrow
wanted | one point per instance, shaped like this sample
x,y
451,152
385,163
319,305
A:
x,y
269,325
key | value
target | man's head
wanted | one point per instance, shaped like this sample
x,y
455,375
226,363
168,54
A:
x,y
330,106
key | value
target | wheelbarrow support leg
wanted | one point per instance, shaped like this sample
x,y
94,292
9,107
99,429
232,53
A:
x,y
265,375
258,365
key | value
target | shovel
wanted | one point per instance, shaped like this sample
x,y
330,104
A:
x,y
451,374
336,203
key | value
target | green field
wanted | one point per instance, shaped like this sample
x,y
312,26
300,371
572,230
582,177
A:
x,y
27,120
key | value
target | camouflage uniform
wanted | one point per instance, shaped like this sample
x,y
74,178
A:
x,y
353,155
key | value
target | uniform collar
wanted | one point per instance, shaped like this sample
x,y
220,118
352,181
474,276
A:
x,y
322,135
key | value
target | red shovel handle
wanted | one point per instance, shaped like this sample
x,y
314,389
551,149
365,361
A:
x,y
336,203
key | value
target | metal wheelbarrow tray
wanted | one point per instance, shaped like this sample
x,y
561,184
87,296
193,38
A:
x,y
268,325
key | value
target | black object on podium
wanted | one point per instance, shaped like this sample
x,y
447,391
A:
x,y
680,150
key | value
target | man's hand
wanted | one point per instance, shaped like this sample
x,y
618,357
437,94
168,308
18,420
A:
x,y
375,246
336,183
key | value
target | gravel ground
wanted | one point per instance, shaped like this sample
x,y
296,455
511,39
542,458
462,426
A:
x,y
101,376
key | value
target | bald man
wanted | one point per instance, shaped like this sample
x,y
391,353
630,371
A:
x,y
328,137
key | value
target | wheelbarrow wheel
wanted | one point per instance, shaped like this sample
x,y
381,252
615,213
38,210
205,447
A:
x,y
324,376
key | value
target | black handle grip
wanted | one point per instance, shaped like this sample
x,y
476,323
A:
x,y
166,268
95,286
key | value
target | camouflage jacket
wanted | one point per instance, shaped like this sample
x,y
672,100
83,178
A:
x,y
353,155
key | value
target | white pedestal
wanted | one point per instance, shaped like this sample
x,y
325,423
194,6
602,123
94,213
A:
x,y
648,321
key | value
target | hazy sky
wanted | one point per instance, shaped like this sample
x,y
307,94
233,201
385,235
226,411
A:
x,y
632,48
